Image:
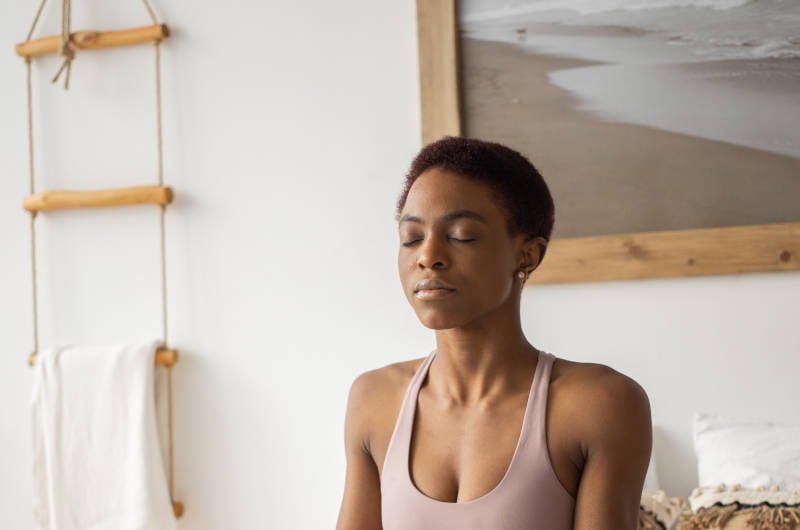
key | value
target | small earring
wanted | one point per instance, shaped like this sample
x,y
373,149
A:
x,y
521,275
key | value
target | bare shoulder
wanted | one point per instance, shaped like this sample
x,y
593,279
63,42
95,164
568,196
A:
x,y
594,378
599,397
374,385
607,414
371,394
375,396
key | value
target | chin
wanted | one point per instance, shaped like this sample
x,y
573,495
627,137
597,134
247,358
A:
x,y
433,319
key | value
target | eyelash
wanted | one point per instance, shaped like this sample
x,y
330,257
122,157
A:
x,y
410,243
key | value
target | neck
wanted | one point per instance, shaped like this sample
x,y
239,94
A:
x,y
483,361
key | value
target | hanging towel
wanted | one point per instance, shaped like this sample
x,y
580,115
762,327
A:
x,y
97,459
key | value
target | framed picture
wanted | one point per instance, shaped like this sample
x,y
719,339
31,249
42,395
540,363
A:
x,y
669,136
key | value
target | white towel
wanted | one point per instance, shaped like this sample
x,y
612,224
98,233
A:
x,y
97,459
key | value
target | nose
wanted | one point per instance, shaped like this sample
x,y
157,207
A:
x,y
432,254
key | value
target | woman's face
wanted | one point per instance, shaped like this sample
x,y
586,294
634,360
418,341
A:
x,y
453,230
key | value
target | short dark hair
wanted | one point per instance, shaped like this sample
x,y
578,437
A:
x,y
517,184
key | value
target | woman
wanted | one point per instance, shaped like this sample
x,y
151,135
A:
x,y
487,431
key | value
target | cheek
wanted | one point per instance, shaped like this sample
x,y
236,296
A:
x,y
402,262
491,275
490,284
405,266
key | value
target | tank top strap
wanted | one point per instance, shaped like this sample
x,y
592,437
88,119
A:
x,y
401,437
538,404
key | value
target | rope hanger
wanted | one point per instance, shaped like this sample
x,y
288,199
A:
x,y
158,195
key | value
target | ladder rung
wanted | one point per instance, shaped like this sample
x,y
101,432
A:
x,y
166,357
87,40
163,357
57,199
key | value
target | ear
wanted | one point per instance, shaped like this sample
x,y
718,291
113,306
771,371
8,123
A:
x,y
532,253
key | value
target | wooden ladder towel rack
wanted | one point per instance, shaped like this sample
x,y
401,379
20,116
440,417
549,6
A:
x,y
66,44
92,40
57,199
163,357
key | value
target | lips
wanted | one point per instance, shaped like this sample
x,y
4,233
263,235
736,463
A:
x,y
431,284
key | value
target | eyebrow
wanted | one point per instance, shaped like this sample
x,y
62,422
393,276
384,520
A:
x,y
452,216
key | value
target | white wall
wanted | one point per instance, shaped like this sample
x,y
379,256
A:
x,y
288,127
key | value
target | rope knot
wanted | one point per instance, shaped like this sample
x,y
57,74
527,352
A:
x,y
66,50
68,54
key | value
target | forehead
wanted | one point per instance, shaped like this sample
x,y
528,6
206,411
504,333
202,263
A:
x,y
438,191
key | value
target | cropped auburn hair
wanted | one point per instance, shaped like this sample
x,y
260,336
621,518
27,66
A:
x,y
516,183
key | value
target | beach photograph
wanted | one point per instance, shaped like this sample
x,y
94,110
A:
x,y
642,115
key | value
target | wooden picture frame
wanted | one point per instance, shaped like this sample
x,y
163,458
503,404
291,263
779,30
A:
x,y
663,254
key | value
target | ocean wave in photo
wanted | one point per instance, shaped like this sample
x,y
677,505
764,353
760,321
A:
x,y
472,10
726,70
711,102
711,29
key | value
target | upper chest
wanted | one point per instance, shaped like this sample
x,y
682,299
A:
x,y
457,454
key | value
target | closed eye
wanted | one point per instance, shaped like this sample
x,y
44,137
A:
x,y
415,241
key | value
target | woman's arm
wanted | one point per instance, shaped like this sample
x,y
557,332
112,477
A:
x,y
616,439
361,504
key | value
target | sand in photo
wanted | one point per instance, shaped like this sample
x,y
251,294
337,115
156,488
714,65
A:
x,y
610,177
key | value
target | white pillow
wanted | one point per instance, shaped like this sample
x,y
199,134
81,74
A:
x,y
751,453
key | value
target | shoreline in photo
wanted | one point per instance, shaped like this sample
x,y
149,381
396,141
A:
x,y
610,177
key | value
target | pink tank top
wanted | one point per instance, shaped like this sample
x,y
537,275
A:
x,y
529,496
